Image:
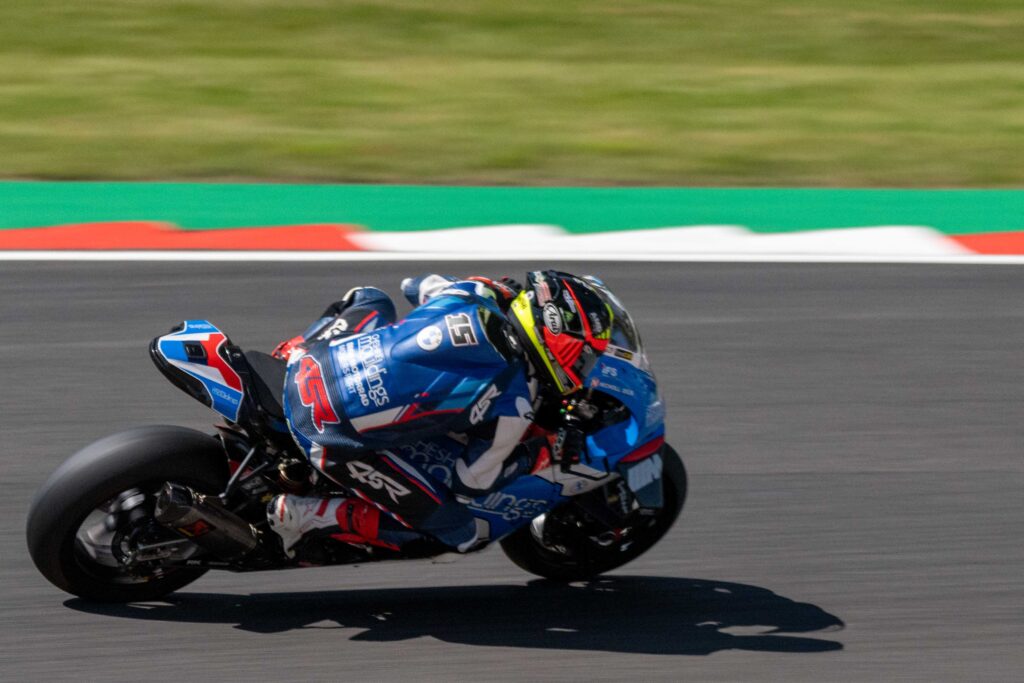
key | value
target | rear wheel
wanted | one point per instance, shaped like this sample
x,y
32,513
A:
x,y
581,548
89,521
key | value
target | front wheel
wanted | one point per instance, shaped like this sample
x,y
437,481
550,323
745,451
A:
x,y
581,553
99,503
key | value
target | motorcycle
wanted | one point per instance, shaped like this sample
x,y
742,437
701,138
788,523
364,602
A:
x,y
140,514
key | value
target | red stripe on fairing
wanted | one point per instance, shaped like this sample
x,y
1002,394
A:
x,y
355,538
368,318
395,515
409,477
648,449
992,243
409,416
156,235
399,519
213,359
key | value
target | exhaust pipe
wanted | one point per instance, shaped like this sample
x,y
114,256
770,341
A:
x,y
204,521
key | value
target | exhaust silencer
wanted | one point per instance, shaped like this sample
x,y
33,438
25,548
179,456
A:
x,y
205,521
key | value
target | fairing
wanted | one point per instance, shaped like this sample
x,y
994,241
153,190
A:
x,y
195,356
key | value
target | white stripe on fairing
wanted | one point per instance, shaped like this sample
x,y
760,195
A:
x,y
210,373
191,336
502,256
381,417
409,469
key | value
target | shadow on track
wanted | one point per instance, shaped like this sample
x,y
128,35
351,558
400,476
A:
x,y
627,614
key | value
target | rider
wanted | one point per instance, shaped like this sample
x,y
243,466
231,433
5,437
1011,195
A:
x,y
474,360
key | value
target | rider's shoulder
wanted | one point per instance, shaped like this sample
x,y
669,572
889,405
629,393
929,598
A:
x,y
447,334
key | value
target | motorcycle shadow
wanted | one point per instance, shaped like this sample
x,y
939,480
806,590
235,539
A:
x,y
624,614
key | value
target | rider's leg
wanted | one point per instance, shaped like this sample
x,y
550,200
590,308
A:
x,y
411,498
413,506
345,519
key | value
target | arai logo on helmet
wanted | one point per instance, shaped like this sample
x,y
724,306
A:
x,y
552,319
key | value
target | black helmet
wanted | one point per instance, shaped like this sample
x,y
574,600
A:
x,y
564,326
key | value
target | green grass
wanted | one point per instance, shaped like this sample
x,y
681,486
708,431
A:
x,y
735,92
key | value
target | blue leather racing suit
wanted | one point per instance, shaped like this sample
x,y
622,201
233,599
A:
x,y
361,386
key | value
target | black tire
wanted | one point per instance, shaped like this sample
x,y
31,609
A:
x,y
523,548
139,458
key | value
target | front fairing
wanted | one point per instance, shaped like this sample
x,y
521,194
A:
x,y
636,388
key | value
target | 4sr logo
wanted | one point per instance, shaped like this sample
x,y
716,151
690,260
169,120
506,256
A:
x,y
365,474
313,393
480,408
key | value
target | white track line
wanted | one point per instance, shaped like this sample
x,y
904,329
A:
x,y
882,241
546,257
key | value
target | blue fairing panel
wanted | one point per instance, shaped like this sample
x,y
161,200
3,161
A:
x,y
637,389
197,350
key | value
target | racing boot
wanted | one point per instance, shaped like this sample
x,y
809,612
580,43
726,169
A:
x,y
349,520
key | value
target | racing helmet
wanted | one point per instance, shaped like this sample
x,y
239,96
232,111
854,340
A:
x,y
563,324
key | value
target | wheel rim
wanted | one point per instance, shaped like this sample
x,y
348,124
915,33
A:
x,y
103,541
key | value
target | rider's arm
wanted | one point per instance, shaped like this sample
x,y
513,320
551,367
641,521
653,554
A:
x,y
489,463
420,290
495,452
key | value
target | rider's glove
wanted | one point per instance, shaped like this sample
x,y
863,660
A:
x,y
289,346
503,294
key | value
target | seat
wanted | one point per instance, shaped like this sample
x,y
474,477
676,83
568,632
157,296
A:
x,y
267,375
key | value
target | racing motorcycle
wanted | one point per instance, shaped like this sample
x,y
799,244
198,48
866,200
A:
x,y
142,513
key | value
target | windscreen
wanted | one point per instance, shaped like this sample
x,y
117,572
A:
x,y
624,332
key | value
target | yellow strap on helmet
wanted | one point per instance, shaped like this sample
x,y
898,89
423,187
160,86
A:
x,y
523,310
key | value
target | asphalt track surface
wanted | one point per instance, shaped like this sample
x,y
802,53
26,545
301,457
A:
x,y
853,433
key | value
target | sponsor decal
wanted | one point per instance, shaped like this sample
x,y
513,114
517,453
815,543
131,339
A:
x,y
220,393
655,413
429,338
609,371
512,508
480,408
552,319
623,353
644,473
595,324
460,329
197,528
313,393
625,391
339,326
429,456
543,292
567,296
366,474
362,367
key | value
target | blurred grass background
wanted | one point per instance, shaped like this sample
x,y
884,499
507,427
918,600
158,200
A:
x,y
866,93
